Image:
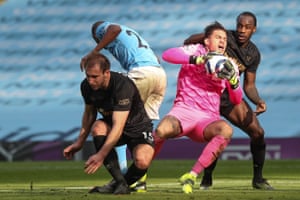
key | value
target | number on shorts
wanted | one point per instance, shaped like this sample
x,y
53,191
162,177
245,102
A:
x,y
148,136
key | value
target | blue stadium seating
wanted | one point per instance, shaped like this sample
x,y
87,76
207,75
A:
x,y
42,42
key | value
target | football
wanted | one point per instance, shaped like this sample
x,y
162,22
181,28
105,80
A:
x,y
215,63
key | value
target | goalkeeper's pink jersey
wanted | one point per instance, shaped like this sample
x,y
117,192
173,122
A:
x,y
195,88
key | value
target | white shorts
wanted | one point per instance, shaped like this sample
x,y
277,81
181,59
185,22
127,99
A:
x,y
151,82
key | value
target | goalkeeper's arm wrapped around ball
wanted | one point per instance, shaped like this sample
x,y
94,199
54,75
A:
x,y
197,57
231,74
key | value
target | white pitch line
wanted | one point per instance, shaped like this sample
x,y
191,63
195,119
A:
x,y
172,184
84,187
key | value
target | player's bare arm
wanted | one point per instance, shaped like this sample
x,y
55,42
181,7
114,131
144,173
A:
x,y
252,92
111,33
194,39
88,118
95,161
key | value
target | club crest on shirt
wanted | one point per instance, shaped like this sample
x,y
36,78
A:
x,y
124,102
241,66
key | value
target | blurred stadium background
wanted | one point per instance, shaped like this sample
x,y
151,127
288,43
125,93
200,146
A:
x,y
42,42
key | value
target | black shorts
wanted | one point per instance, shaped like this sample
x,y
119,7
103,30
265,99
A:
x,y
135,137
132,142
226,105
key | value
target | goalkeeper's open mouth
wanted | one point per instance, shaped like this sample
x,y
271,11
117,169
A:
x,y
221,49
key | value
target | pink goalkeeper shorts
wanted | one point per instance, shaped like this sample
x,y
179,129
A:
x,y
193,121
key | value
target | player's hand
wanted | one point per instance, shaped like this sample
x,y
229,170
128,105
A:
x,y
198,60
84,59
82,62
71,150
261,107
93,164
228,72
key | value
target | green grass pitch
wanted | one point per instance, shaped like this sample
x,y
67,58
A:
x,y
65,180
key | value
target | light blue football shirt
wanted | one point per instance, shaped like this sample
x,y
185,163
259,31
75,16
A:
x,y
129,48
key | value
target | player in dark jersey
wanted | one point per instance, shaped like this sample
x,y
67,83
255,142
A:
x,y
247,56
124,121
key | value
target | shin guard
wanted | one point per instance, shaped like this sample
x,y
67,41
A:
x,y
211,152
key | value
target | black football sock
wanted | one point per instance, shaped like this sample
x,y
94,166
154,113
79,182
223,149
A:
x,y
112,165
111,161
134,174
209,170
258,154
99,141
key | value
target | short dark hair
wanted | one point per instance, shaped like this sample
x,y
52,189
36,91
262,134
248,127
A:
x,y
247,13
212,27
98,59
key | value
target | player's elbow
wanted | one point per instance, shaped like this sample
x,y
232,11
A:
x,y
114,29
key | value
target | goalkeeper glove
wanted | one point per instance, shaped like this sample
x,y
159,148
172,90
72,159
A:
x,y
228,72
198,60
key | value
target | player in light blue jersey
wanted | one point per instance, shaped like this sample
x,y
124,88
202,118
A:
x,y
125,44
142,65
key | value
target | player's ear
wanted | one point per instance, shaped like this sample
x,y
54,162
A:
x,y
106,72
206,41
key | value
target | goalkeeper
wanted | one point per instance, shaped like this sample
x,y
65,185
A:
x,y
246,54
195,113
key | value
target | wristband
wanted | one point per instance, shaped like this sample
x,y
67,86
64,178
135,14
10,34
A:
x,y
234,82
196,60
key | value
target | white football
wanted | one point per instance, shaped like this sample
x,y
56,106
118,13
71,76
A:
x,y
215,63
